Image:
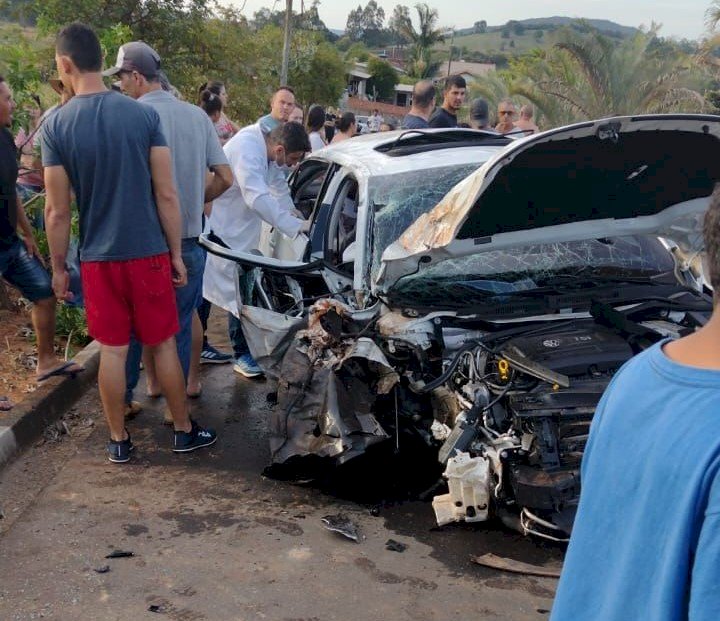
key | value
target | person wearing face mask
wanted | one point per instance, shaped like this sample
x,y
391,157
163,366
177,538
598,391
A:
x,y
259,194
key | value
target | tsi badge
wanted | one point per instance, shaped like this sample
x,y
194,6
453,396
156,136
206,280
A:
x,y
552,343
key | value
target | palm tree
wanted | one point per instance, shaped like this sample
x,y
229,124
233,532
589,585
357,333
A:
x,y
422,40
712,15
591,76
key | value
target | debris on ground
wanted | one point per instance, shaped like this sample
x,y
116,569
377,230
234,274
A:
x,y
342,524
515,567
102,570
119,554
395,546
159,608
6,404
54,432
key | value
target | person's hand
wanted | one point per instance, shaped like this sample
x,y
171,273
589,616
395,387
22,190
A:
x,y
61,285
32,248
179,273
305,226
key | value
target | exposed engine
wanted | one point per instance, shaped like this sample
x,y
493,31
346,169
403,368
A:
x,y
523,415
506,407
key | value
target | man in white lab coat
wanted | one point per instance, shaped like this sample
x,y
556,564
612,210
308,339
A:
x,y
260,193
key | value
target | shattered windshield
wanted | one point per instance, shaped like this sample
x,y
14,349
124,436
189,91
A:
x,y
398,200
534,269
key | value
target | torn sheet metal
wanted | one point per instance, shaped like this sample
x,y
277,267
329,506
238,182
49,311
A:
x,y
327,386
268,335
342,525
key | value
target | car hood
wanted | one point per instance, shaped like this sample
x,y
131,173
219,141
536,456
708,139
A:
x,y
612,177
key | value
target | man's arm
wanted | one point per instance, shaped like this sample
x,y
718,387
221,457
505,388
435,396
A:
x,y
57,227
168,209
219,180
251,173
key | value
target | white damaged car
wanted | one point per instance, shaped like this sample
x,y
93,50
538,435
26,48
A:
x,y
489,321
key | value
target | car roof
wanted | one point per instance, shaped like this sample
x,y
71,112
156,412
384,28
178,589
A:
x,y
361,153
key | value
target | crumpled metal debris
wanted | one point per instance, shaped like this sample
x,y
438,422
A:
x,y
328,381
343,525
395,546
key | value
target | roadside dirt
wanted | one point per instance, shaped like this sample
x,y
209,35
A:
x,y
18,352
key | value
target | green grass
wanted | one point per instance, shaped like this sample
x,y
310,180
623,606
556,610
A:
x,y
492,42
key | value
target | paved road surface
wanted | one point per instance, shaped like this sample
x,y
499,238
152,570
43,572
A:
x,y
213,540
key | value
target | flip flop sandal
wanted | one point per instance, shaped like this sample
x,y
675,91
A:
x,y
70,368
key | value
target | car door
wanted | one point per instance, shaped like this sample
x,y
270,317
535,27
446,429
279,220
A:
x,y
288,273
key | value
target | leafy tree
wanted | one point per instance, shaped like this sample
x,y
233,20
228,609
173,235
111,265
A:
x,y
354,25
399,24
505,32
383,78
480,27
357,52
316,71
366,24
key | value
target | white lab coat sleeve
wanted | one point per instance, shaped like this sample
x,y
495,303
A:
x,y
251,173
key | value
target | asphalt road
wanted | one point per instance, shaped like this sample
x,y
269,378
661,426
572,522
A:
x,y
214,540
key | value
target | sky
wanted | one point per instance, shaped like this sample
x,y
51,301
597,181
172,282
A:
x,y
679,18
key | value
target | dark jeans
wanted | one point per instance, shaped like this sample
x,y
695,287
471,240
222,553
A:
x,y
24,271
204,314
237,338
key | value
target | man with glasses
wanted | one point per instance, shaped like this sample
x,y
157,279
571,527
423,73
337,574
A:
x,y
506,116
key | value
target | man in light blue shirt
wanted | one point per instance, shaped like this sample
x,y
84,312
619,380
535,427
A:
x,y
282,105
646,539
195,151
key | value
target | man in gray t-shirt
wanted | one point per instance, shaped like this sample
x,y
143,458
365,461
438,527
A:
x,y
195,150
112,152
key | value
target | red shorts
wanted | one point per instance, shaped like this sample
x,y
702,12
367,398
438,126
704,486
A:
x,y
134,296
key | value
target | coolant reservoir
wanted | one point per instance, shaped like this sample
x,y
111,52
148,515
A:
x,y
469,491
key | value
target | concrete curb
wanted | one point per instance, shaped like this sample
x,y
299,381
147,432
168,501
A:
x,y
22,425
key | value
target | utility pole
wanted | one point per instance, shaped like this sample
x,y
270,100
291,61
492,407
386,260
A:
x,y
452,40
286,43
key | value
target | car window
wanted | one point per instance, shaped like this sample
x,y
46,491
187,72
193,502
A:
x,y
307,184
396,201
342,227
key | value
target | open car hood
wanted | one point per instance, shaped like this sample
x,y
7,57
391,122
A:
x,y
649,174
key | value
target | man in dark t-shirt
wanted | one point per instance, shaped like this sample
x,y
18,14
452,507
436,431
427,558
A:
x,y
423,102
453,99
111,151
20,263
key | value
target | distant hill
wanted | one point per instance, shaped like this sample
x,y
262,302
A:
x,y
550,23
603,25
498,43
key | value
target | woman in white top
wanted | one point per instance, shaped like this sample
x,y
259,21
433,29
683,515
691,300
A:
x,y
316,127
347,128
